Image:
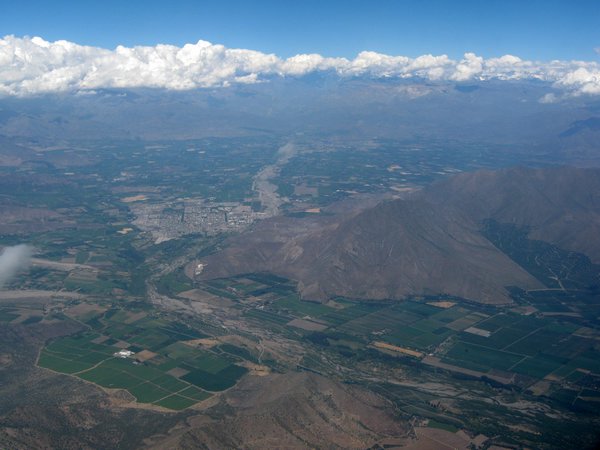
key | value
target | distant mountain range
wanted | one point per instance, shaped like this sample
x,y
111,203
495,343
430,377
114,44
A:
x,y
429,243
508,114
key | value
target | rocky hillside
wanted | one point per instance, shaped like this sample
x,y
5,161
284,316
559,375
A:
x,y
429,243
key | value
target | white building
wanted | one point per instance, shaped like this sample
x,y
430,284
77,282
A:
x,y
124,353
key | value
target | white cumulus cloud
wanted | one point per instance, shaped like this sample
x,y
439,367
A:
x,y
32,65
586,80
469,67
12,260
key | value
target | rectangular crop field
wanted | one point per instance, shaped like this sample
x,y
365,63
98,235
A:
x,y
484,358
219,381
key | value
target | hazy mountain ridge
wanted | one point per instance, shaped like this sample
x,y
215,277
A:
x,y
559,205
491,110
429,243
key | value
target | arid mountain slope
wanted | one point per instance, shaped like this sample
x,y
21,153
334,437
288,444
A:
x,y
429,243
292,411
560,205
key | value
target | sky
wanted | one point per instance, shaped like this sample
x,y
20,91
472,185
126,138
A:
x,y
76,46
531,29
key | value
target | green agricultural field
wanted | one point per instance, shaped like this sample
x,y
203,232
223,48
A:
x,y
150,339
169,383
59,364
120,331
482,358
219,381
268,279
246,286
427,340
176,402
500,339
120,315
195,393
302,308
388,319
210,363
219,292
498,321
238,351
127,365
268,317
148,392
442,426
573,345
427,325
147,381
406,324
539,366
465,322
573,376
82,257
450,314
146,384
403,335
180,331
111,378
164,364
551,265
587,360
532,344
174,283
179,350
92,358
421,309
338,317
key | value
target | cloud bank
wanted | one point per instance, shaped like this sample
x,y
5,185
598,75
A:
x,y
12,260
30,66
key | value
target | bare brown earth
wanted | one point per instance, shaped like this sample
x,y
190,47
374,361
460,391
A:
x,y
504,378
17,219
395,348
291,411
436,439
36,296
84,308
13,154
144,355
307,325
62,266
134,198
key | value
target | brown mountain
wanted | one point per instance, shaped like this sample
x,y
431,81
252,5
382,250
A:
x,y
289,411
428,243
561,205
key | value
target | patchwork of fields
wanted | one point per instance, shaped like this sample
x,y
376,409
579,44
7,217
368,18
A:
x,y
545,344
164,369
507,346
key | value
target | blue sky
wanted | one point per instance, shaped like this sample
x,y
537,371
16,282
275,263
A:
x,y
531,29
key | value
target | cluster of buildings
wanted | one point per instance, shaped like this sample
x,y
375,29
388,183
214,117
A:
x,y
170,220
